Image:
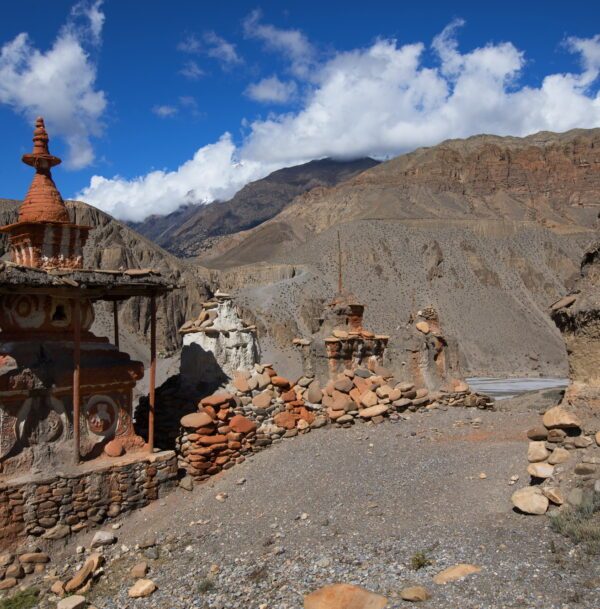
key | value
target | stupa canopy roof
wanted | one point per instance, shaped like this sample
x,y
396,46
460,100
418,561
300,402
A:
x,y
95,284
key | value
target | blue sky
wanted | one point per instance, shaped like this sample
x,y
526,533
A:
x,y
159,103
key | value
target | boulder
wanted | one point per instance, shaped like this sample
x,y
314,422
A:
x,y
240,424
103,538
80,578
343,596
217,399
72,602
537,451
34,557
262,400
287,420
139,570
195,420
559,418
345,385
530,500
414,594
280,381
559,455
240,382
373,411
455,573
142,588
540,470
554,495
423,326
369,399
313,394
537,433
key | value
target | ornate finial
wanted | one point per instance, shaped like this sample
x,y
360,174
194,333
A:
x,y
40,158
43,202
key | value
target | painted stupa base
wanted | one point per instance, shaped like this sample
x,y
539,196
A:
x,y
62,502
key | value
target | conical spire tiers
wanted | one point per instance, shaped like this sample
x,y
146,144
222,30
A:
x,y
43,202
44,237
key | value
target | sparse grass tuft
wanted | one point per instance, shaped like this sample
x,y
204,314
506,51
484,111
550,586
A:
x,y
581,524
420,560
206,584
24,599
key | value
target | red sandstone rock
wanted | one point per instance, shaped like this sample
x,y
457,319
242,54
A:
x,y
344,596
287,420
196,420
241,424
210,440
114,448
209,410
288,396
280,381
240,382
305,415
216,399
262,400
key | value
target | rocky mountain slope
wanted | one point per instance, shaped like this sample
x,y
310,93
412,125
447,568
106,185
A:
x,y
113,245
193,228
488,230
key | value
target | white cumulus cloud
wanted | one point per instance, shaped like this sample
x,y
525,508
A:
x,y
164,111
60,83
381,100
221,50
271,90
214,172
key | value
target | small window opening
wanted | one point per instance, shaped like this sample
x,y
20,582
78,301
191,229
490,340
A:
x,y
59,313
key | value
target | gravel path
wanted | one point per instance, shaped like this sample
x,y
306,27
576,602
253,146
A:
x,y
355,505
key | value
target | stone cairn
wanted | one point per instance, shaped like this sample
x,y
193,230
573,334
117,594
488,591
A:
x,y
564,453
263,408
564,463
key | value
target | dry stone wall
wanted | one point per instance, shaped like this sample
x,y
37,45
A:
x,y
54,506
263,408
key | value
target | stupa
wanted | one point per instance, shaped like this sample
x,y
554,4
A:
x,y
66,395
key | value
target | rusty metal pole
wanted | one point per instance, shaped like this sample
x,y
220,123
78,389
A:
x,y
76,375
152,381
116,323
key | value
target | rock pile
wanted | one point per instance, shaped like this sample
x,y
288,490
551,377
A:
x,y
263,407
564,451
14,567
564,463
215,437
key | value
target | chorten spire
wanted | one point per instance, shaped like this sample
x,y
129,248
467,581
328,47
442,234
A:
x,y
43,202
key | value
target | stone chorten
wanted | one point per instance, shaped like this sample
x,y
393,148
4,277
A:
x,y
45,317
341,342
44,236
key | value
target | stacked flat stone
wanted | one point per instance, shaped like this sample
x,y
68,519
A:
x,y
15,566
564,463
59,505
367,395
262,408
215,437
